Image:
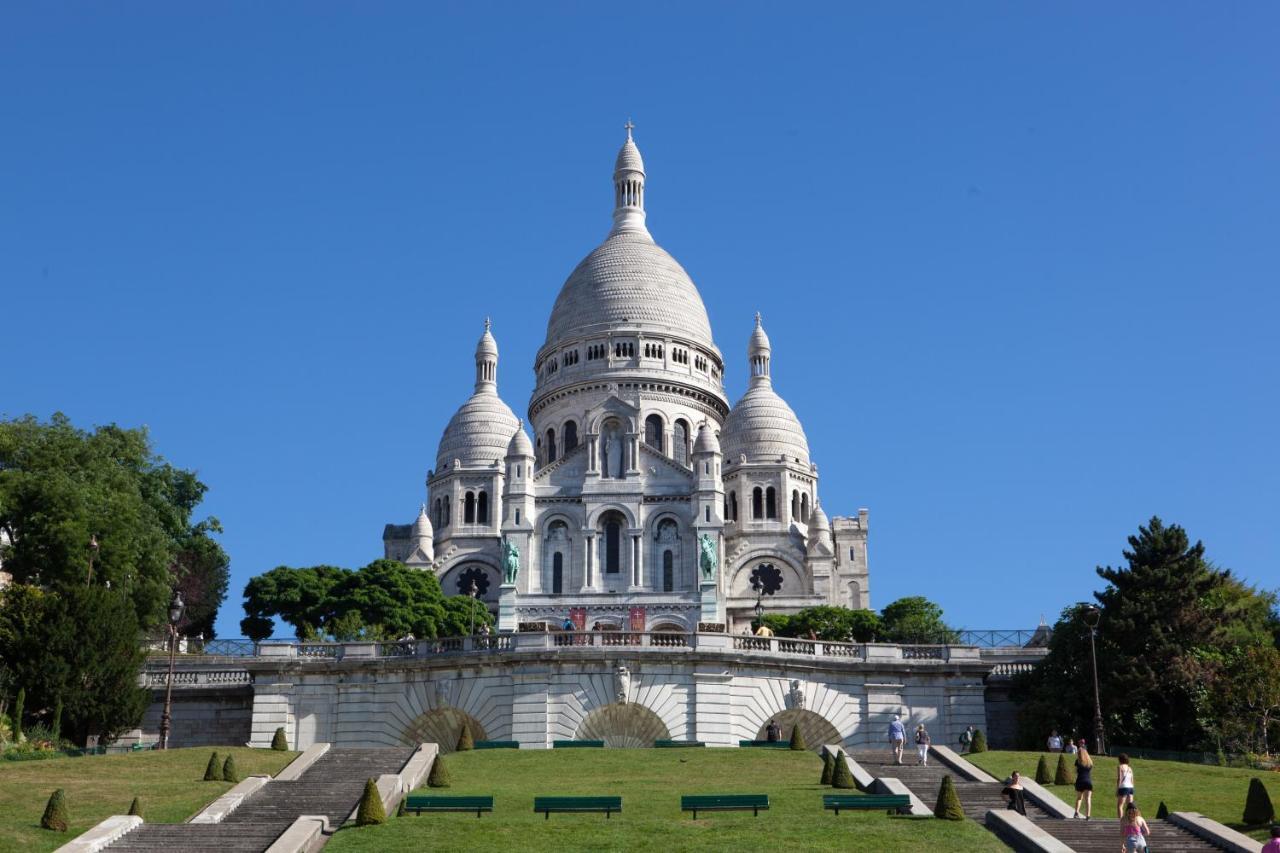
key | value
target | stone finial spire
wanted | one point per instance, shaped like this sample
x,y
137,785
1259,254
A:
x,y
487,360
758,354
628,186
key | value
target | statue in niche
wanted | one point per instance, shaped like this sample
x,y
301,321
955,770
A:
x,y
667,532
510,560
707,557
621,683
612,453
797,695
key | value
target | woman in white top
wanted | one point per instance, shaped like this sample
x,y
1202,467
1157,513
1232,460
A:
x,y
1124,784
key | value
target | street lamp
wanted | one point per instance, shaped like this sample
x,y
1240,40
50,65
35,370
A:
x,y
471,591
93,552
176,608
759,588
1092,617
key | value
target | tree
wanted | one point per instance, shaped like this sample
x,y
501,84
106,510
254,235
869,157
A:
x,y
213,770
843,776
1042,771
439,775
948,806
279,742
1258,808
836,624
55,812
371,810
915,619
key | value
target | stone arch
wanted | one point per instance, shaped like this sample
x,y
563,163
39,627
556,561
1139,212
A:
x,y
450,577
442,727
816,729
593,518
623,726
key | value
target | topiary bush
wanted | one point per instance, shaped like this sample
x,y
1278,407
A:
x,y
1064,775
1042,771
1257,805
797,738
1162,812
279,742
979,742
371,810
55,813
439,775
213,770
230,773
465,741
948,807
843,776
828,767
135,808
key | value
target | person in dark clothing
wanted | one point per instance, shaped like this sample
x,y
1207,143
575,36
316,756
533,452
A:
x,y
1084,781
772,732
1017,797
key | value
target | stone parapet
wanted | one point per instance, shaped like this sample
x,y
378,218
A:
x,y
102,835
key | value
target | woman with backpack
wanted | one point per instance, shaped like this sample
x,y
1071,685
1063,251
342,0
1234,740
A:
x,y
922,745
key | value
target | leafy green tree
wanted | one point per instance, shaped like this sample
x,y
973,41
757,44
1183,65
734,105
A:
x,y
836,624
915,619
302,598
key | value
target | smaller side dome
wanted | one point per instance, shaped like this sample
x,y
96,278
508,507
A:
x,y
706,441
422,528
520,444
819,532
818,519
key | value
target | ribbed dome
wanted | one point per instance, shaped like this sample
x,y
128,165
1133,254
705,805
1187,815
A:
x,y
707,441
629,159
422,526
520,444
629,281
479,432
763,427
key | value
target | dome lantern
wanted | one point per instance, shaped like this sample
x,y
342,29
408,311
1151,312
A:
x,y
628,186
487,360
758,354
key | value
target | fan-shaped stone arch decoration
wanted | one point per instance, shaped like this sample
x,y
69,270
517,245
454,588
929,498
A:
x,y
817,730
442,727
623,726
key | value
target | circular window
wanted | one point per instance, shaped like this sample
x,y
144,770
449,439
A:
x,y
474,575
766,579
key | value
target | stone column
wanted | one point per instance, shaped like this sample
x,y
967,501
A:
x,y
637,568
593,454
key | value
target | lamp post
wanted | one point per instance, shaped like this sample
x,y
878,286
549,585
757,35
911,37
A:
x,y
1092,618
93,552
759,588
176,608
471,591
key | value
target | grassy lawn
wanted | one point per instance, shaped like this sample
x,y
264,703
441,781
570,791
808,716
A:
x,y
99,786
1215,792
650,782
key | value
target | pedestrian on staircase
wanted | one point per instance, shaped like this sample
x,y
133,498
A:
x,y
1014,791
1273,846
897,737
922,745
1084,780
1124,785
966,739
1133,830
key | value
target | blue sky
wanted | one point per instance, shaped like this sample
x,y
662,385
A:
x,y
1019,262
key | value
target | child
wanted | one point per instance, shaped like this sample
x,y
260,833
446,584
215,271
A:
x,y
1134,830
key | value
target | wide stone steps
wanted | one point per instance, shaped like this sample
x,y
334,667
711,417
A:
x,y
1103,836
331,787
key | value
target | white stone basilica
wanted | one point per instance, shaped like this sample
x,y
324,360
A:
x,y
645,502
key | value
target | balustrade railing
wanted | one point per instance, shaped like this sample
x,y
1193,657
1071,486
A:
x,y
924,652
196,678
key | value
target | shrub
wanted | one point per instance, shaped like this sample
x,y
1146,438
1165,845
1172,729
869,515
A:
x,y
55,730
55,813
230,773
1065,775
1162,812
465,741
842,777
439,775
979,741
1042,771
797,738
135,808
213,770
17,714
371,810
948,807
279,742
828,767
1257,805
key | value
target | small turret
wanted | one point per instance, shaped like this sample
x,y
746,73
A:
x,y
487,360
628,187
422,539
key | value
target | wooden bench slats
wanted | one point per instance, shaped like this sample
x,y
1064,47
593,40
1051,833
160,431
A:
x,y
547,805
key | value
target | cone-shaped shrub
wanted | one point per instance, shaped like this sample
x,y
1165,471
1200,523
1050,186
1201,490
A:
x,y
55,813
229,771
135,808
948,807
979,742
1042,772
465,741
439,775
371,810
279,742
213,770
1257,806
797,738
1162,812
842,777
828,767
1064,775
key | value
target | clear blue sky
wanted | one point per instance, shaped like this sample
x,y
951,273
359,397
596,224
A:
x,y
1019,262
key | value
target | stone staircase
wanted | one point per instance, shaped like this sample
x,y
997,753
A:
x,y
330,787
977,798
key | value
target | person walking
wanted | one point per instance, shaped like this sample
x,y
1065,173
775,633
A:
x,y
1084,780
1124,785
1133,830
772,732
966,739
922,745
1273,846
1017,797
897,737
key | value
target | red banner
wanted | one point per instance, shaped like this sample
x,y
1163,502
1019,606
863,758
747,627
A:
x,y
578,616
637,619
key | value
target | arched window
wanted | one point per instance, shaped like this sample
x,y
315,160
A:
x,y
668,571
770,503
446,510
804,508
733,506
680,442
795,505
469,508
551,446
439,513
570,436
757,503
482,508
653,432
557,574
612,546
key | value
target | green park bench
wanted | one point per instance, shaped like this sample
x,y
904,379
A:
x,y
577,744
766,744
497,744
419,804
865,802
724,803
547,805
676,744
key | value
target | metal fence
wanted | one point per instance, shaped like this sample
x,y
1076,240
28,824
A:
x,y
1000,638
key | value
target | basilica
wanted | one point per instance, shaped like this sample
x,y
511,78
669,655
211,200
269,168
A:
x,y
643,501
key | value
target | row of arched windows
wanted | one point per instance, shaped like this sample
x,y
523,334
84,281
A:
x,y
653,350
764,505
549,451
475,509
655,431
